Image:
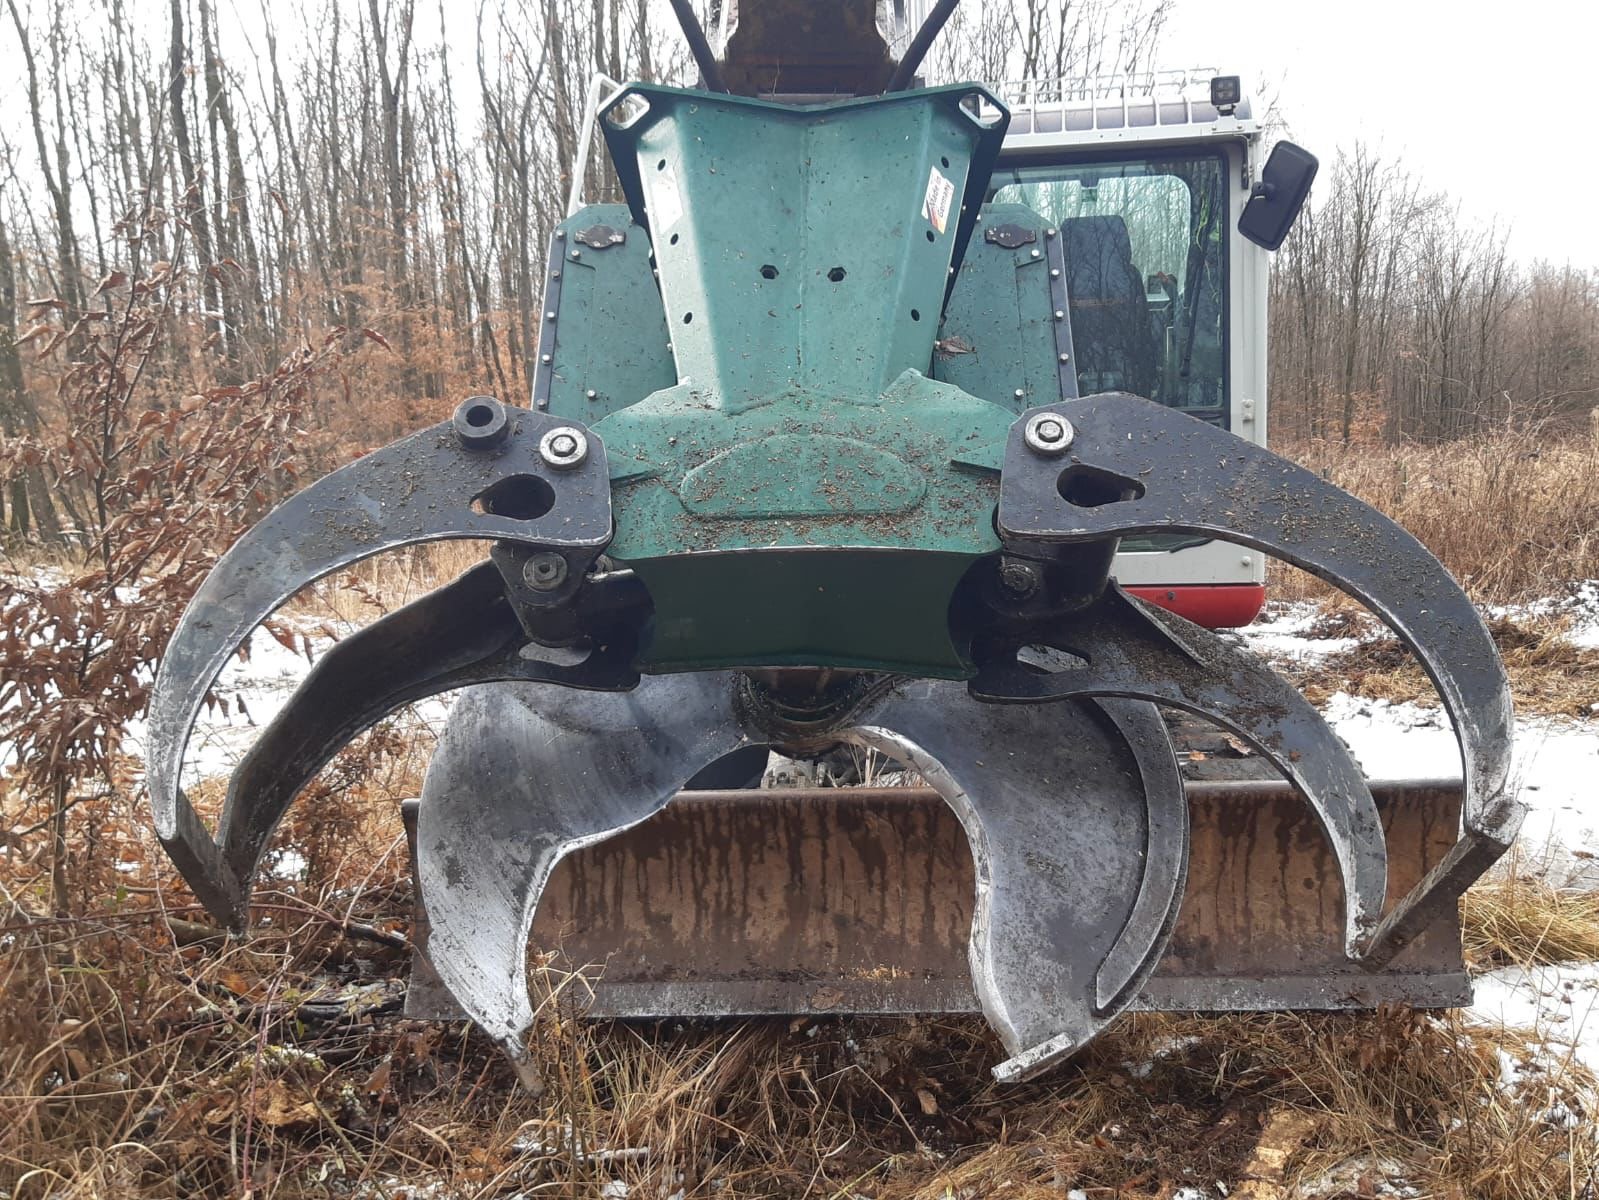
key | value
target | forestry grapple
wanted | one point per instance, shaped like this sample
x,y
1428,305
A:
x,y
807,465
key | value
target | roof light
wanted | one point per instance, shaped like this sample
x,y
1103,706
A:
x,y
1225,93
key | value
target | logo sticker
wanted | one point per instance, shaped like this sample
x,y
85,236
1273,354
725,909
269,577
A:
x,y
665,206
940,195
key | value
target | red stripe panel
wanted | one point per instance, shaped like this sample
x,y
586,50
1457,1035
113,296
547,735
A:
x,y
1213,605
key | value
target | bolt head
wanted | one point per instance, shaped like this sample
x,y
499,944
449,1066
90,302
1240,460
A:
x,y
1018,577
544,572
563,447
1048,433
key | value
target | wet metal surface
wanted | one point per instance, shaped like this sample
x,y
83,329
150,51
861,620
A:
x,y
1175,474
419,489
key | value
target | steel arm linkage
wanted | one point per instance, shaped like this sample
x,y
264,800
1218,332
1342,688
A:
x,y
526,480
1114,465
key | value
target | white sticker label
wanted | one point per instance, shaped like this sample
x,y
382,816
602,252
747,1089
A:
x,y
666,206
940,195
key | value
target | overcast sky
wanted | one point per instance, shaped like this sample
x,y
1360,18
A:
x,y
1497,104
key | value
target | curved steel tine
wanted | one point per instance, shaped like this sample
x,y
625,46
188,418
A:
x,y
1185,476
1142,940
1065,833
463,633
1137,650
421,488
523,775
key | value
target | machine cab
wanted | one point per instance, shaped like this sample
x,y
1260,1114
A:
x,y
1145,180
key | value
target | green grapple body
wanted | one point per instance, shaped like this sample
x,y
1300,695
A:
x,y
796,489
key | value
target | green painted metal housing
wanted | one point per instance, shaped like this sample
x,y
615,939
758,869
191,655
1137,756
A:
x,y
803,494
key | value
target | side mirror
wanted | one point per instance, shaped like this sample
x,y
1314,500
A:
x,y
1275,201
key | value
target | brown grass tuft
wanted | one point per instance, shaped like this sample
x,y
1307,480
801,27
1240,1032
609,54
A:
x,y
1513,516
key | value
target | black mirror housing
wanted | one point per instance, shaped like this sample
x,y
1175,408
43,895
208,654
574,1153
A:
x,y
1275,201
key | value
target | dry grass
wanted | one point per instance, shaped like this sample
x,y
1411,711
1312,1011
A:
x,y
1548,674
1519,919
153,1070
1513,516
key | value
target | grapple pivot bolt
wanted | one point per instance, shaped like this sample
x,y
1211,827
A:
x,y
544,572
1018,577
1048,433
563,447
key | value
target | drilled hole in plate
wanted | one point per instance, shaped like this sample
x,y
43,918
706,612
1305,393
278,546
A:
x,y
661,166
768,272
520,497
1091,487
836,274
944,159
673,239
688,318
931,236
479,415
915,315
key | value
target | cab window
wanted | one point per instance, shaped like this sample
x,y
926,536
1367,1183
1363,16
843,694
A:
x,y
1145,245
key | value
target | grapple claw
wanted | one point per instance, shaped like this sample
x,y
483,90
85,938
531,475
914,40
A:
x,y
1075,814
464,633
547,770
480,475
1130,466
1079,835
1123,647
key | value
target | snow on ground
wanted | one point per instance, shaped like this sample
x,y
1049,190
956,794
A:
x,y
256,687
1579,607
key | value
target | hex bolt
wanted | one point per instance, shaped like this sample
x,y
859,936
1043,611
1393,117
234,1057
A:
x,y
576,254
481,422
1060,314
1048,433
544,572
563,447
1018,577
1019,393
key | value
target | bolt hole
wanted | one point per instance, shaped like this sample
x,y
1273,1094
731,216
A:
x,y
688,318
520,497
945,160
836,274
479,415
931,236
1091,487
673,239
915,315
768,272
661,166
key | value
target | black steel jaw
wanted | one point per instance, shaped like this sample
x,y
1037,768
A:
x,y
491,472
1112,465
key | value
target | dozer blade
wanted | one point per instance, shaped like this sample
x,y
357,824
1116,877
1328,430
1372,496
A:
x,y
1074,815
829,901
